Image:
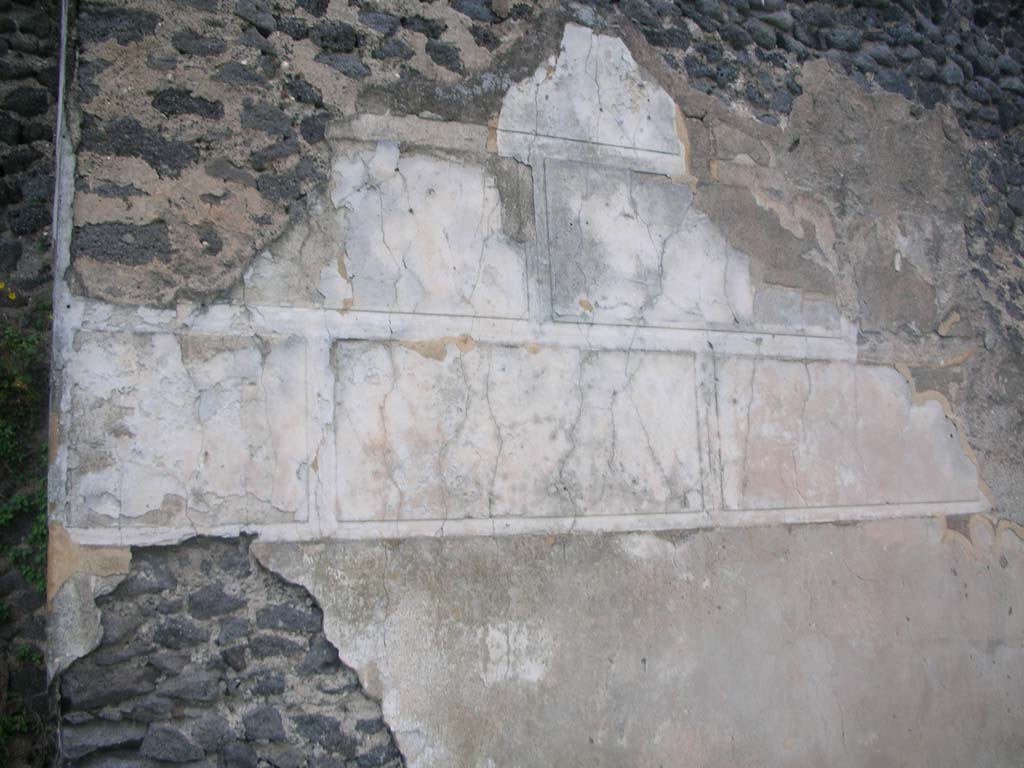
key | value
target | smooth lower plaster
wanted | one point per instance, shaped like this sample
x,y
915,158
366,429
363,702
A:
x,y
484,477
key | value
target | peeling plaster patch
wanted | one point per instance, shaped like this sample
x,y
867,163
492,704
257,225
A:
x,y
179,430
514,653
643,643
592,102
65,558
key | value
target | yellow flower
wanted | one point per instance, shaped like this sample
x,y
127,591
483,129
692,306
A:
x,y
2,285
12,295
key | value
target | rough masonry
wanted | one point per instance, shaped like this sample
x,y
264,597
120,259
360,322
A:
x,y
520,335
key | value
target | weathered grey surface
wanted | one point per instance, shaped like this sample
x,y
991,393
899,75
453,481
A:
x,y
510,269
812,645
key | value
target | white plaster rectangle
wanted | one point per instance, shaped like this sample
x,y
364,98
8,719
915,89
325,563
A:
x,y
190,431
593,92
450,429
411,232
832,434
629,248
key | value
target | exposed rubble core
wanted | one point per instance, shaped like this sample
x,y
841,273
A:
x,y
209,659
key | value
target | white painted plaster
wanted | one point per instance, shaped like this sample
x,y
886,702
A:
x,y
592,102
512,431
401,365
814,434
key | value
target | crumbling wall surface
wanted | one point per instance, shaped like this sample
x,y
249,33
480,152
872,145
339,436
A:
x,y
202,132
765,646
208,659
520,335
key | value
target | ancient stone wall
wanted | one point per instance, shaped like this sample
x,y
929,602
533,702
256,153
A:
x,y
471,313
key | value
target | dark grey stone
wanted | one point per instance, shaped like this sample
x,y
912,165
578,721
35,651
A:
x,y
81,740
28,218
313,128
1007,64
302,91
162,62
27,101
736,36
315,8
212,732
252,38
266,118
334,36
262,159
1012,84
1016,201
951,74
267,683
381,755
483,37
99,21
819,16
116,627
292,618
432,28
176,632
192,687
383,23
232,629
845,39
294,27
393,48
19,159
263,724
180,101
169,663
258,13
321,657
10,255
209,239
126,137
477,10
234,657
211,600
282,756
348,64
761,33
445,54
266,646
370,726
170,745
234,73
151,709
82,688
779,19
223,169
122,244
325,731
192,44
239,755
881,53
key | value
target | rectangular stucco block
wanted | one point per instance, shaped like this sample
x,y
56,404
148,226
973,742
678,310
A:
x,y
820,434
177,431
437,432
629,248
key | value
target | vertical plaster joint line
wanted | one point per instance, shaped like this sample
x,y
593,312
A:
x,y
705,401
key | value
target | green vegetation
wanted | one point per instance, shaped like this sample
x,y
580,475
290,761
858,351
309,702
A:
x,y
24,379
23,397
